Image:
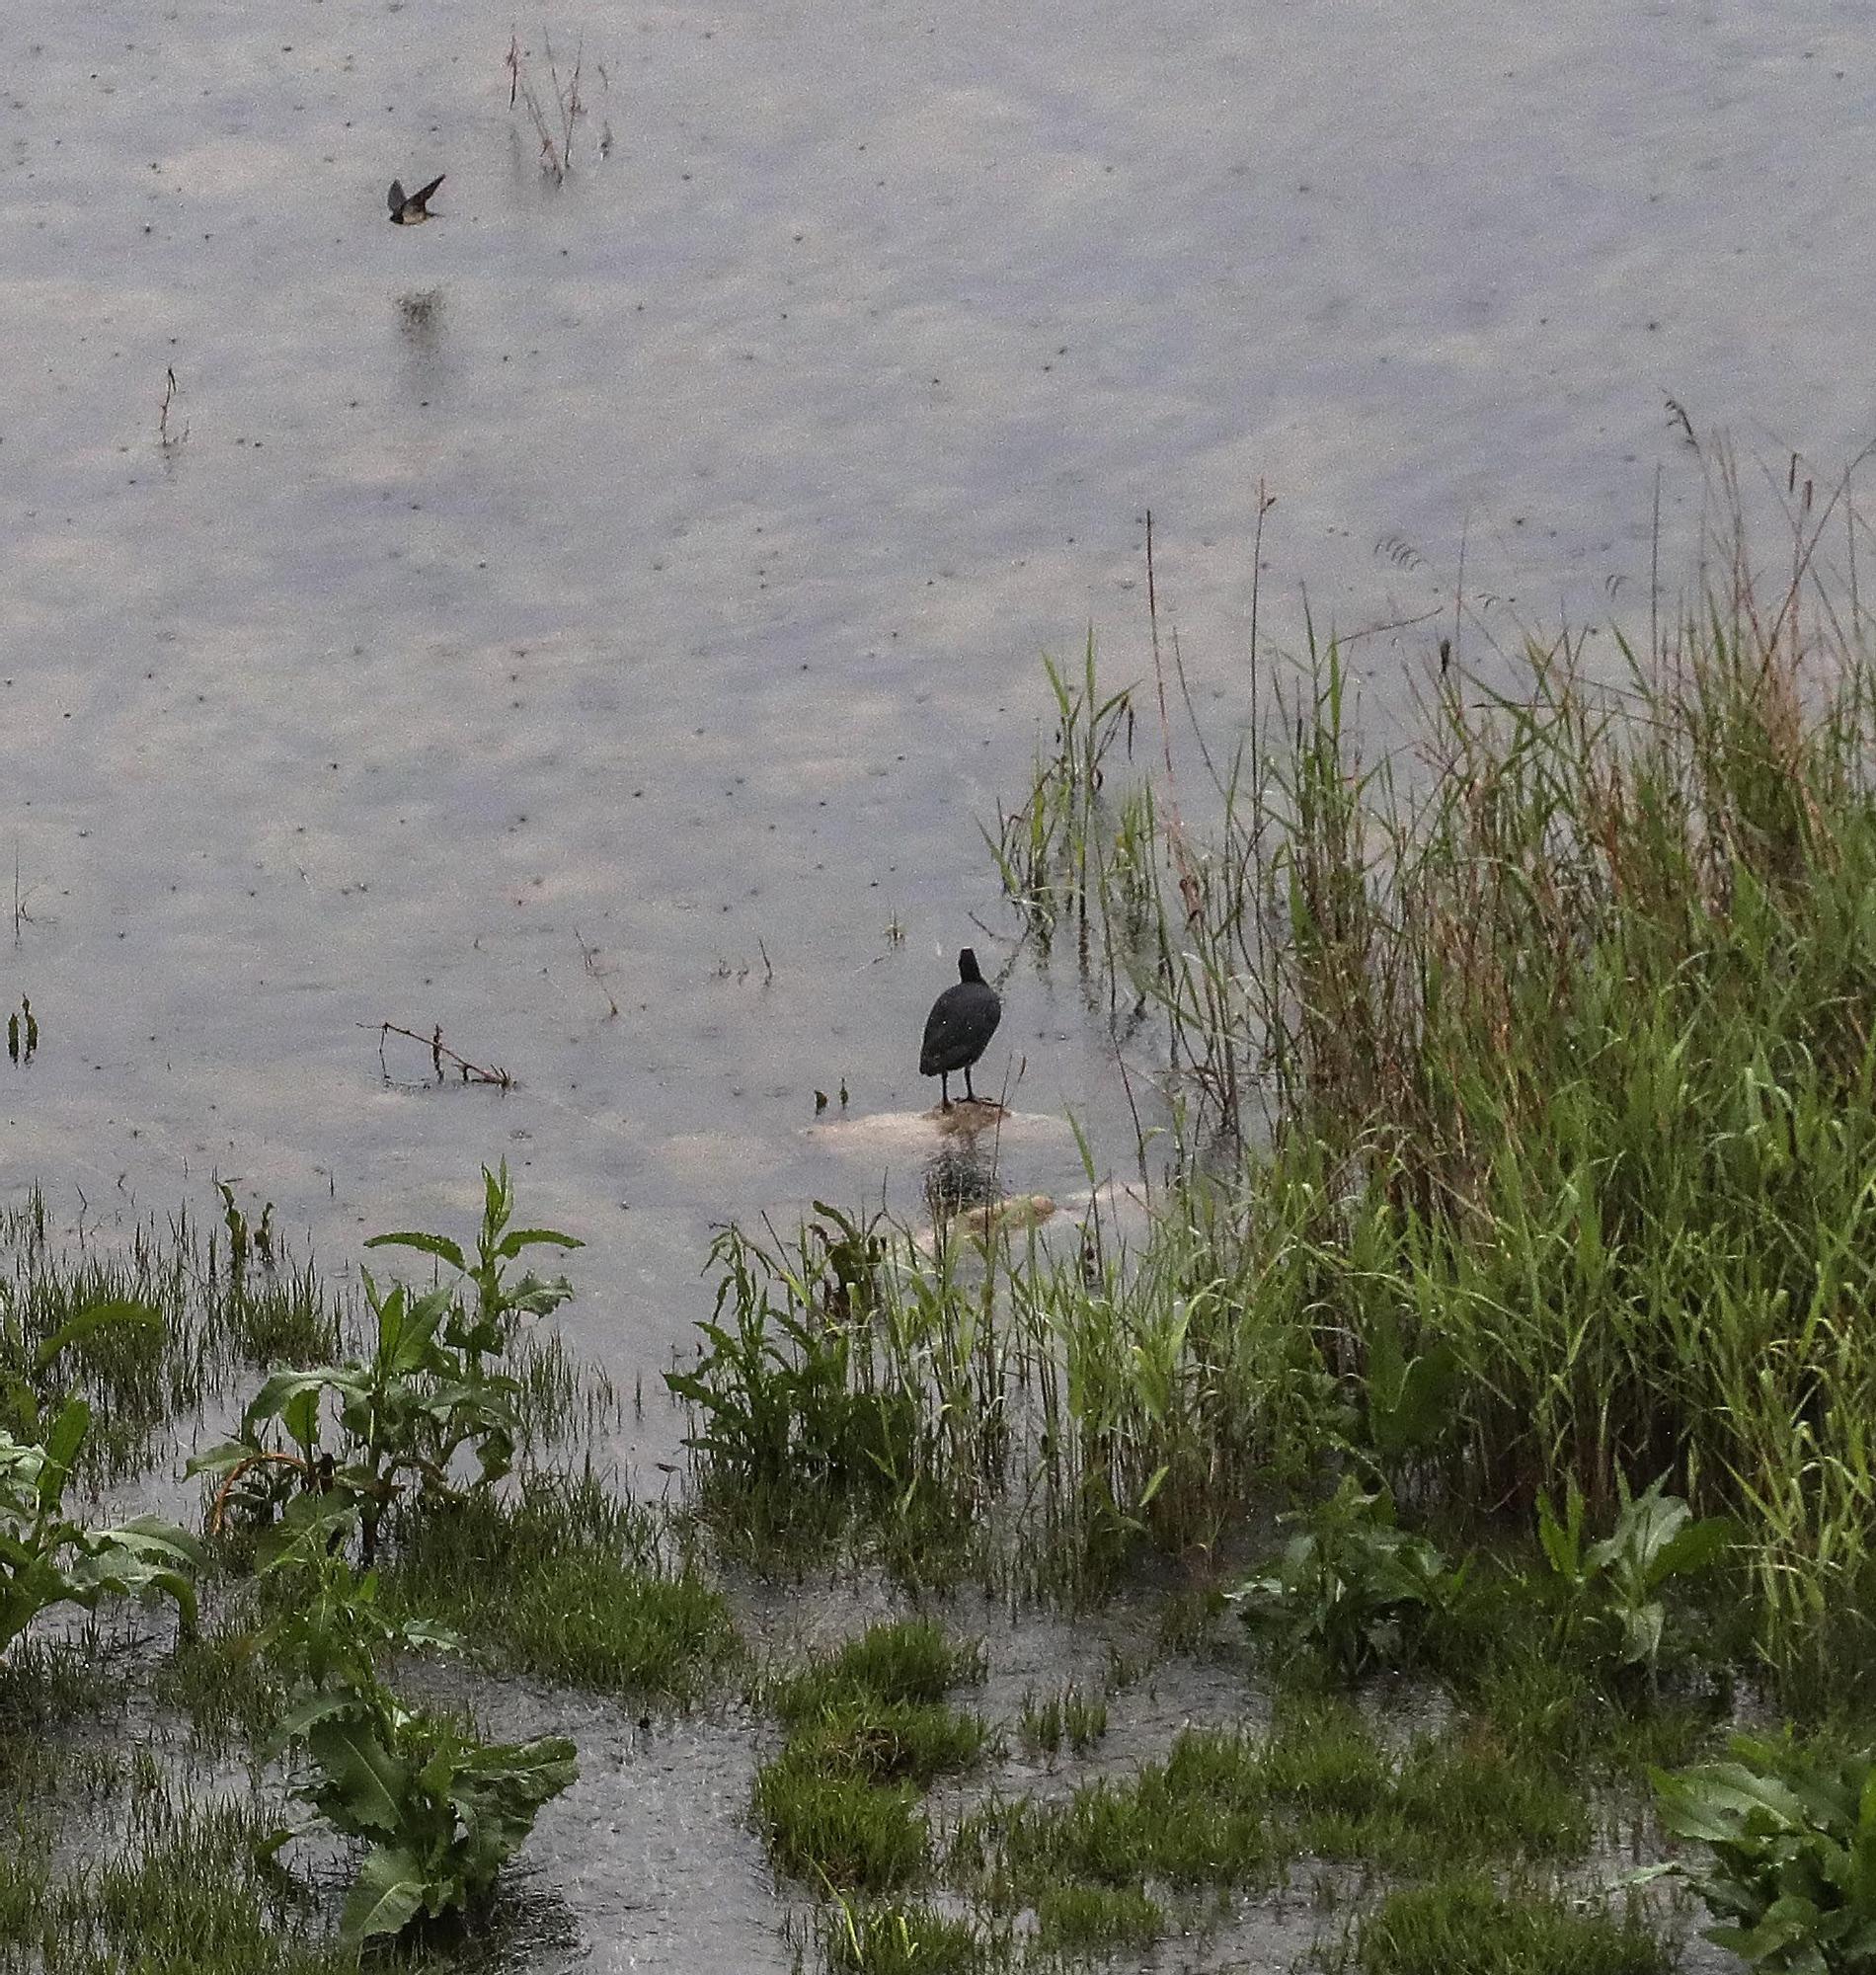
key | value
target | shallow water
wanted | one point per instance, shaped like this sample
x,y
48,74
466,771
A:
x,y
657,565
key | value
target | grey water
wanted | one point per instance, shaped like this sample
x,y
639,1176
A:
x,y
628,593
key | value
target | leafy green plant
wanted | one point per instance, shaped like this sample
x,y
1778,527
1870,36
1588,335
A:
x,y
1410,1400
1611,1592
440,1811
489,1328
48,1559
1350,1584
400,1416
1791,1842
369,1429
782,1408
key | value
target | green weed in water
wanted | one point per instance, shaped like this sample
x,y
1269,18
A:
x,y
910,1941
566,1581
1069,1715
840,1832
47,1557
1466,1927
1789,1832
1085,1921
868,1730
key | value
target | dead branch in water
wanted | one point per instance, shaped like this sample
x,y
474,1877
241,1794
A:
x,y
440,1053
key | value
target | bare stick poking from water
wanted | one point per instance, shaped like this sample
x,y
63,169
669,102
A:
x,y
590,956
440,1053
22,897
172,390
556,134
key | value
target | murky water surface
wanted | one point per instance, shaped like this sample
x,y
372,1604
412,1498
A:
x,y
592,621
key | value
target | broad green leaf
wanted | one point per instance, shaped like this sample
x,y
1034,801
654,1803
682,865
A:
x,y
439,1246
530,1238
299,1417
325,1704
152,1537
117,1315
67,1436
390,1892
369,1781
1694,1548
282,1387
221,1458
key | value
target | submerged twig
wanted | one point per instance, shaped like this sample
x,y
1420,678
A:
x,y
440,1053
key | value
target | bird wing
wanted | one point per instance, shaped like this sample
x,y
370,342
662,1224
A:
x,y
950,1026
431,188
397,196
940,1031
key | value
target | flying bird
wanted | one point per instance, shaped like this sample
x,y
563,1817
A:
x,y
413,208
958,1028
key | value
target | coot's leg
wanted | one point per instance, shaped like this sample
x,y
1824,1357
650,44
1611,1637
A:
x,y
944,1091
968,1091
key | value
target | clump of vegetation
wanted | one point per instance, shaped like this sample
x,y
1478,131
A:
x,y
816,1389
440,1811
1067,1716
1351,1585
1612,1595
1465,1927
438,1808
869,1731
372,1429
910,1941
1790,1836
1521,1114
1229,1810
565,1580
186,1887
148,1334
47,1558
1082,1922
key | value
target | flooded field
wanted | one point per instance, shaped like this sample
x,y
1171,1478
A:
x,y
597,624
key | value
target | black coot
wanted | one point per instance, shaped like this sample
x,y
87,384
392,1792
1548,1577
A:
x,y
958,1028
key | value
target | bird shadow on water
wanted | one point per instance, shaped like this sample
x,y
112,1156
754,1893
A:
x,y
419,319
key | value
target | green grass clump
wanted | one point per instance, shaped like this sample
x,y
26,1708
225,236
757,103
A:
x,y
1322,1761
1464,1797
184,1890
1465,1926
868,1731
1459,1796
1199,1818
221,1680
910,1941
1070,1715
187,1322
840,1831
887,1742
907,1661
567,1582
1082,1920
1227,1810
